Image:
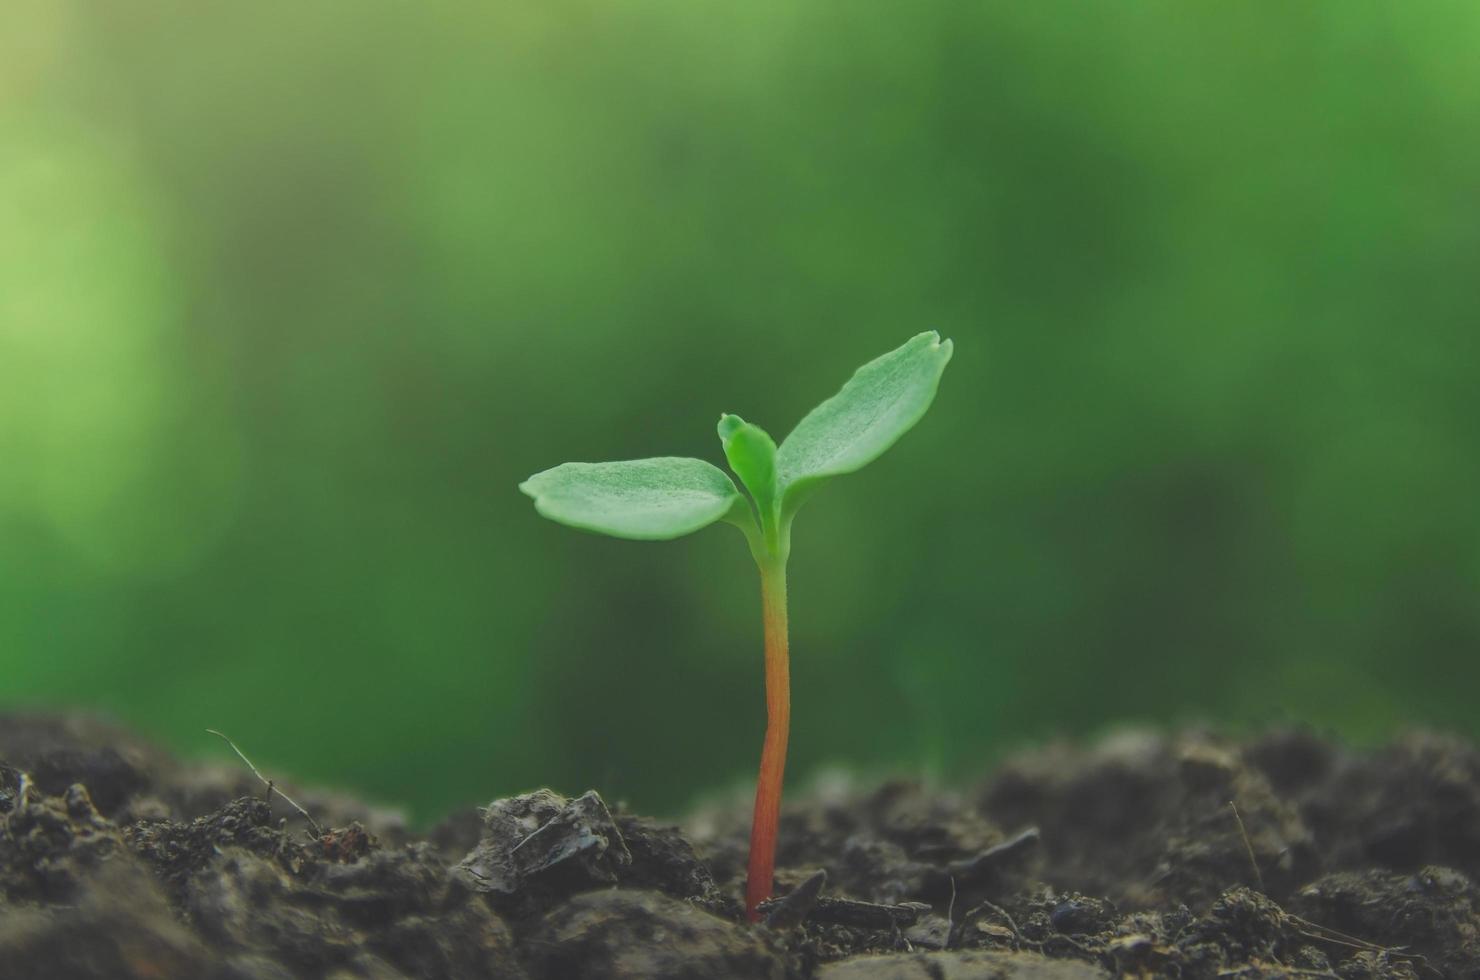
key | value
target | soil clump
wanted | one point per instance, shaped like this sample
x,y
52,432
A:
x,y
1146,855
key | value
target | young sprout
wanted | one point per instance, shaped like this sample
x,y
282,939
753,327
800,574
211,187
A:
x,y
668,497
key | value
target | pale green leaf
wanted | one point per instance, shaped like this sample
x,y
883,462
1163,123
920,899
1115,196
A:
x,y
752,455
880,403
644,499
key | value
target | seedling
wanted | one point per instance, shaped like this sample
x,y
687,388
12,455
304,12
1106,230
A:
x,y
668,497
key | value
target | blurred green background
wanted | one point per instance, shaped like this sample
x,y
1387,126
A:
x,y
291,300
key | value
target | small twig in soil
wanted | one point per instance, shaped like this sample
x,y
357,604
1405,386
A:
x,y
312,823
1344,939
1034,944
1005,916
951,913
1244,833
1336,937
868,915
282,844
1292,970
847,912
22,788
791,910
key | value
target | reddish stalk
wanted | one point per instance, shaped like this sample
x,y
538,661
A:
x,y
773,755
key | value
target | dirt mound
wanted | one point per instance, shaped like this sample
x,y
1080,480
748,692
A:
x,y
1144,855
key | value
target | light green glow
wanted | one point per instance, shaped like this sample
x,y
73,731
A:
x,y
93,416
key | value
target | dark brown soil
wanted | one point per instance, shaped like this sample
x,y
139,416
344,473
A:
x,y
1142,855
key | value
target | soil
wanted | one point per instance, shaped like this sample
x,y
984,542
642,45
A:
x,y
1144,855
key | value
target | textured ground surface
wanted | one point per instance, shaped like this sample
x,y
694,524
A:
x,y
1142,855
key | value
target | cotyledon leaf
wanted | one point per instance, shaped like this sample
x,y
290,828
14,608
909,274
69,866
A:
x,y
752,455
880,403
644,499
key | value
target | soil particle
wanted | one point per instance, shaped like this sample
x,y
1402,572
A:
x,y
1435,908
1413,803
1144,820
540,846
1142,855
179,851
663,859
119,927
642,935
399,906
51,846
59,750
978,965
896,843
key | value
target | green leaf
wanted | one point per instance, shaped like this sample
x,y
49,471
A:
x,y
880,403
752,455
643,499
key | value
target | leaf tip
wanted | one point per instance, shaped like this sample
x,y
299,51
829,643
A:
x,y
728,426
932,340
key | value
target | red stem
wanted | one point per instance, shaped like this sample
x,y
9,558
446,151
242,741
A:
x,y
773,754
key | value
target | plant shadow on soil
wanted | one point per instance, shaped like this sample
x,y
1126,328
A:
x,y
1142,855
